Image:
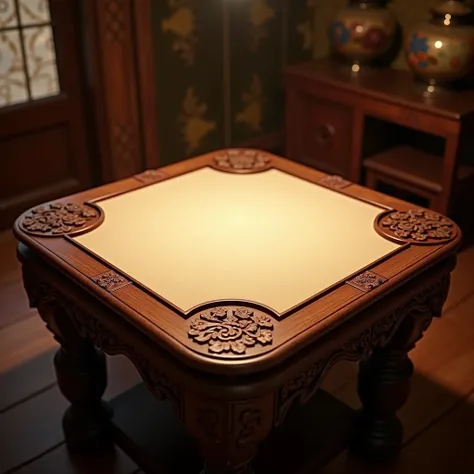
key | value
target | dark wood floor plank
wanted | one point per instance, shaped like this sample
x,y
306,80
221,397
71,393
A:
x,y
13,303
30,429
26,380
9,265
26,356
33,427
462,279
59,461
24,341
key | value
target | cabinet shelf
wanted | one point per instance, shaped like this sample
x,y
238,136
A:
x,y
416,168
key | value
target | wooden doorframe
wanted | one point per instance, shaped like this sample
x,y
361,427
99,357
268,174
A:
x,y
120,77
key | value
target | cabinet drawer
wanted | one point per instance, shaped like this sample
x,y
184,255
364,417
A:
x,y
326,139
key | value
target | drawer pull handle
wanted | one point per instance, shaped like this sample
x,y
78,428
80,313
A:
x,y
324,134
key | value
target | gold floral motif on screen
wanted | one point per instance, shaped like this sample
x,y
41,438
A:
x,y
251,114
260,15
181,25
195,125
306,27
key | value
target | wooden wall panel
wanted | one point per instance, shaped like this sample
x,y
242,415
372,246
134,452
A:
x,y
51,164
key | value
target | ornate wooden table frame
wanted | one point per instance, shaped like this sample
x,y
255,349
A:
x,y
233,369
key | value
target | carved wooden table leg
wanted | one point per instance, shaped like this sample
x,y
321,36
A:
x,y
80,370
82,379
384,379
229,433
384,382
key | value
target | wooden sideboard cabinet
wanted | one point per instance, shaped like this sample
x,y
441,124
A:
x,y
328,110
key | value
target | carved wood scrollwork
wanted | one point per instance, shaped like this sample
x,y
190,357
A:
x,y
230,430
334,182
57,219
416,226
426,305
245,420
367,281
231,330
241,160
150,176
42,294
111,281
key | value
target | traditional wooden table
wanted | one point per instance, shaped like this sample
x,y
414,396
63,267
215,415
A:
x,y
234,281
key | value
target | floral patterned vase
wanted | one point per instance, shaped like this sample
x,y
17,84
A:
x,y
442,51
364,31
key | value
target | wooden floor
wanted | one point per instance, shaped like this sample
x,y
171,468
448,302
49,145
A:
x,y
438,418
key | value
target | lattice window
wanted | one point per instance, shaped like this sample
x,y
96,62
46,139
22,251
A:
x,y
28,68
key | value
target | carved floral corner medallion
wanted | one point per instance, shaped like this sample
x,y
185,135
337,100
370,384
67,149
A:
x,y
334,182
58,219
241,160
367,281
110,281
231,330
416,226
150,176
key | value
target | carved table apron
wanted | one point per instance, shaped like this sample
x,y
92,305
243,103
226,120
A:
x,y
234,281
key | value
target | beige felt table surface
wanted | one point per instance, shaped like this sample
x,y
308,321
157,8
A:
x,y
268,237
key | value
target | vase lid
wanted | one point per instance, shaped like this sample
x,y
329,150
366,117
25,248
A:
x,y
370,3
452,7
452,13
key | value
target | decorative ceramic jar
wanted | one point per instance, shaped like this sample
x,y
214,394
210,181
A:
x,y
364,31
442,51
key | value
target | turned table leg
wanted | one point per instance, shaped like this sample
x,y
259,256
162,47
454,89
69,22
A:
x,y
82,379
384,379
383,388
81,373
384,384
